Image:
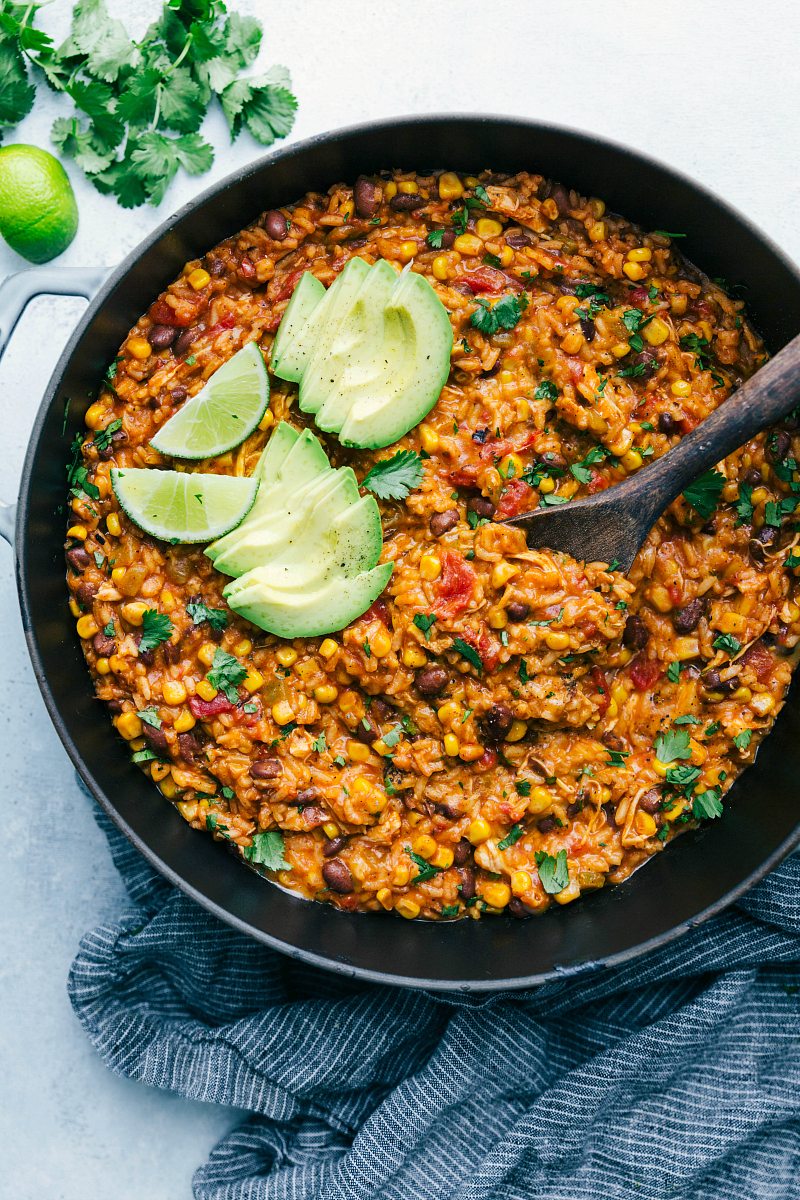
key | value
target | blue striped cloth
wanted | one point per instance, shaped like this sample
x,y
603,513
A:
x,y
677,1075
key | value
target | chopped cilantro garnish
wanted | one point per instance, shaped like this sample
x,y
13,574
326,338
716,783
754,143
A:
x,y
523,673
320,744
616,758
707,805
469,653
744,504
523,786
199,611
704,493
687,719
727,642
674,672
109,629
391,738
450,910
553,871
156,628
102,438
226,674
268,850
743,739
393,478
672,744
514,834
489,319
546,390
150,717
426,869
424,622
434,239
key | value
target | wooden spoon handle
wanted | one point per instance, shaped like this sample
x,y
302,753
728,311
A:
x,y
761,401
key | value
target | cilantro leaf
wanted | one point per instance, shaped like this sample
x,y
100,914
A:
x,y
672,744
434,239
102,438
469,653
393,478
744,504
707,805
103,42
553,871
226,674
426,869
704,493
267,850
489,319
450,910
425,622
514,834
150,717
156,628
523,787
199,611
727,642
320,743
16,93
546,390
743,739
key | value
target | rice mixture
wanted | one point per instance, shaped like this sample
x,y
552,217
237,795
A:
x,y
504,727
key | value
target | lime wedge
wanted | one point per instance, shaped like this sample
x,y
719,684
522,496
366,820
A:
x,y
223,413
178,506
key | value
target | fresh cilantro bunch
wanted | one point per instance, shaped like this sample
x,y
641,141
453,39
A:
x,y
139,105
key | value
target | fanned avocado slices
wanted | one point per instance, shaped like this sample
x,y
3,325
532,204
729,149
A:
x,y
371,355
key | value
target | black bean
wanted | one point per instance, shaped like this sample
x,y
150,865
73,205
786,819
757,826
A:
x,y
307,795
588,328
517,909
431,681
365,197
276,226
483,507
86,593
161,336
778,445
611,814
382,710
184,341
265,768
366,730
443,522
612,740
551,458
547,824
448,237
752,476
147,657
767,535
467,877
157,738
687,619
635,635
313,816
172,653
103,645
334,845
462,853
114,705
517,610
497,722
651,801
517,238
337,876
666,423
561,196
190,746
713,682
179,394
405,202
648,360
216,267
78,558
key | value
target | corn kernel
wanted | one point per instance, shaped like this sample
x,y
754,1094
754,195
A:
x,y
634,271
266,421
597,206
656,332
497,618
206,690
732,622
424,845
379,747
407,908
198,279
523,409
467,243
479,831
243,647
645,824
511,466
408,250
134,611
282,712
540,799
286,656
547,485
572,342
660,598
450,186
430,567
361,785
168,787
620,349
86,626
502,572
413,656
443,858
706,330
389,190
597,231
159,771
348,701
517,731
632,461
206,653
521,883
408,187
449,712
384,897
401,873
102,666
660,767
497,894
381,643
641,254
441,267
117,574
328,648
451,745
79,532
470,752
762,704
117,664
96,415
184,722
506,256
166,600
686,648
357,751
325,693
681,388
173,691
550,209
253,680
556,640
678,305
139,347
129,726
567,304
112,524
429,439
571,892
188,809
487,227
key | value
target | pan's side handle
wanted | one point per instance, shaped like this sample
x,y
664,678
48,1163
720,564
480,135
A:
x,y
15,293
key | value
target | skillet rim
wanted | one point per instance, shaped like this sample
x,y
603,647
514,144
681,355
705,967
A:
x,y
115,278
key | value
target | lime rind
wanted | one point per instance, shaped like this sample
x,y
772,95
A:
x,y
183,507
223,413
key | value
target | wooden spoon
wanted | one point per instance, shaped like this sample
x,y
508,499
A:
x,y
611,526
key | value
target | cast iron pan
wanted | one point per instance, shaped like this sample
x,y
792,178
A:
x,y
696,877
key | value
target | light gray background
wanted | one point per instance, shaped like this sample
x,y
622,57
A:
x,y
709,86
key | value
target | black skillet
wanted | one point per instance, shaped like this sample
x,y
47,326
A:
x,y
697,876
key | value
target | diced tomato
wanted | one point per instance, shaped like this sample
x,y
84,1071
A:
x,y
516,498
284,291
203,709
600,686
489,650
638,295
643,672
759,660
575,368
598,482
380,609
246,268
464,476
675,594
486,279
687,424
494,448
227,322
162,314
242,717
456,583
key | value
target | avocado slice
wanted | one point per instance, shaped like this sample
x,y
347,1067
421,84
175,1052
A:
x,y
290,614
293,342
274,453
331,313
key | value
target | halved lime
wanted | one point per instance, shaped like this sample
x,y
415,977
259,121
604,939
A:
x,y
178,506
223,413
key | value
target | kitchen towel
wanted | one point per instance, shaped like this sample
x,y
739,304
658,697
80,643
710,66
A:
x,y
677,1075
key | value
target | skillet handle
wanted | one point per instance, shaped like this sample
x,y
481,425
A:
x,y
15,293
17,290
